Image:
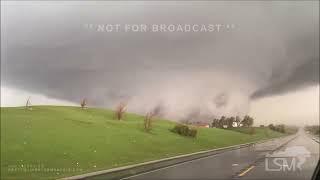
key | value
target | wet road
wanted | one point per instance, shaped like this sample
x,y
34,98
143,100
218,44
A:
x,y
295,161
249,162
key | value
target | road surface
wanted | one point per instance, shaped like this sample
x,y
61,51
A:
x,y
295,160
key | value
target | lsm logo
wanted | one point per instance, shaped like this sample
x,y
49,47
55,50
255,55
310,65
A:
x,y
291,159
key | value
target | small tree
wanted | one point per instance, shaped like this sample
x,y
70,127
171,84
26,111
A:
x,y
244,121
148,121
120,110
247,121
238,121
149,117
222,122
230,122
215,123
83,103
271,126
28,104
184,130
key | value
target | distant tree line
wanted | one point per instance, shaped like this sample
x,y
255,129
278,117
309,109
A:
x,y
314,129
230,122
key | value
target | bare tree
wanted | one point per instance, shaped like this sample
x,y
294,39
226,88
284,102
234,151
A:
x,y
83,103
28,104
148,122
149,118
120,110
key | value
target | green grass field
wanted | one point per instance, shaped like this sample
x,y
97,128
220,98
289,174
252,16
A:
x,y
48,142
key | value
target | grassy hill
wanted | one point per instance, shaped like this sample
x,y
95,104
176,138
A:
x,y
55,141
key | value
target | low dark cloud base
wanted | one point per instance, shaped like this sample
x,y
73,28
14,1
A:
x,y
273,50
